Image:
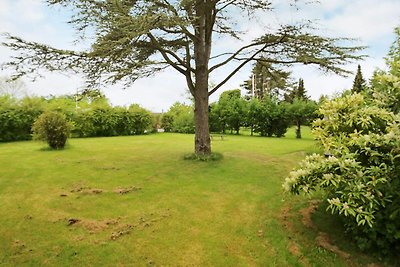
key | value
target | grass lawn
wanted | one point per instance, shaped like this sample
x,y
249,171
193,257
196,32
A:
x,y
134,201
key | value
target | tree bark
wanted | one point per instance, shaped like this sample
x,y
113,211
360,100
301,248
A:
x,y
298,130
202,52
202,142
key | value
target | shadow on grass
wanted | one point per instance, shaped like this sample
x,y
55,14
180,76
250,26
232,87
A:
x,y
333,225
204,158
50,149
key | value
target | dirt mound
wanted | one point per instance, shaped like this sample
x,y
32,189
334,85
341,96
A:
x,y
86,190
127,190
308,212
324,241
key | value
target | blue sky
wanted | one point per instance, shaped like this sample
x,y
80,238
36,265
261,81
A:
x,y
370,21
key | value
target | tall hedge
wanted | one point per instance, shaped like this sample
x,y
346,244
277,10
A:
x,y
17,117
92,119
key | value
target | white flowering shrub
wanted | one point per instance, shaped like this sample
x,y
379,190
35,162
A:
x,y
361,175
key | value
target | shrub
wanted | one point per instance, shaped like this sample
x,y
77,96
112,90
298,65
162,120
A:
x,y
361,178
53,128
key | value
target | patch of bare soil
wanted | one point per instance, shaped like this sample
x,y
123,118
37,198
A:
x,y
93,226
293,247
123,191
322,239
87,190
308,212
95,191
117,228
325,242
121,231
284,217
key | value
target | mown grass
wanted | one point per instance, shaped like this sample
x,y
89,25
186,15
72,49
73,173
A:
x,y
230,212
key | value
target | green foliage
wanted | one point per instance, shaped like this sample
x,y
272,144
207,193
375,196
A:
x,y
214,116
88,118
393,58
267,117
167,121
301,112
272,118
232,110
179,119
253,108
53,128
112,121
362,175
298,92
267,80
17,117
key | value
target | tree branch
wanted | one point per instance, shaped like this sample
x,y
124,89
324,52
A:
x,y
236,70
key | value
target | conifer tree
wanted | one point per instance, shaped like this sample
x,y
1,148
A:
x,y
266,80
359,83
298,92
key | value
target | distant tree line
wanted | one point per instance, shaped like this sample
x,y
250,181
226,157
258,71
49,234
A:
x,y
89,113
268,116
262,113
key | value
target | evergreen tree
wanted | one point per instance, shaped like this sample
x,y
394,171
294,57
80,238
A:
x,y
359,82
298,92
266,80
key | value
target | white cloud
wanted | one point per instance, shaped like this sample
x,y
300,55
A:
x,y
366,19
28,10
4,7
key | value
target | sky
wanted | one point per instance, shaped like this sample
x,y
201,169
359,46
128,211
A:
x,y
371,22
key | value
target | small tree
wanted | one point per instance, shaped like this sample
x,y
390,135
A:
x,y
232,110
53,128
253,109
272,118
301,112
359,83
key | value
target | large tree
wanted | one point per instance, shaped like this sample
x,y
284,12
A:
x,y
136,38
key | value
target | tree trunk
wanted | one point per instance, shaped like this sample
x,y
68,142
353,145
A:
x,y
202,141
202,51
298,130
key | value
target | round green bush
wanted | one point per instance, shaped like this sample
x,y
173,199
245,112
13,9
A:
x,y
53,128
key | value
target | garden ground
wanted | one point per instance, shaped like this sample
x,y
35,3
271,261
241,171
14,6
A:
x,y
134,201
